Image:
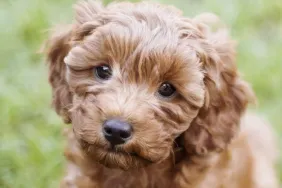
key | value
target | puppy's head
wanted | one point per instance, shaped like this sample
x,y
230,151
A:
x,y
131,78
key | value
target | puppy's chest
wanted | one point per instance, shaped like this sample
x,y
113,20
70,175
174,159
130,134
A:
x,y
153,177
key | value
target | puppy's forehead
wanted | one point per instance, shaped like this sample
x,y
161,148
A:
x,y
142,43
142,51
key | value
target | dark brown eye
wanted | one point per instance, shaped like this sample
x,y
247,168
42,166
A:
x,y
103,72
166,90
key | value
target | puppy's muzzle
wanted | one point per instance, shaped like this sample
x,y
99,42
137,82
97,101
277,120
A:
x,y
117,131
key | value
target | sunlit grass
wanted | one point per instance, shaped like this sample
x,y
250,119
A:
x,y
31,142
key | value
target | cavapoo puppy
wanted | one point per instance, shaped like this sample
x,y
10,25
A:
x,y
155,101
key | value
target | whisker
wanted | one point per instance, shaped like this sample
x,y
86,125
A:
x,y
173,157
176,143
128,154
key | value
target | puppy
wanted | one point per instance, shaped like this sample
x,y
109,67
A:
x,y
155,101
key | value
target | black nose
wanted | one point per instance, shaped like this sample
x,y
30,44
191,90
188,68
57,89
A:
x,y
117,131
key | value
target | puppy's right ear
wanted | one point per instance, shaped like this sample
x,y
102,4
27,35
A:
x,y
57,48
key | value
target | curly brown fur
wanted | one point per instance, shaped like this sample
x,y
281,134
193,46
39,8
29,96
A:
x,y
146,44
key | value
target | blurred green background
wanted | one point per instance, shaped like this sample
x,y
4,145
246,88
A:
x,y
31,141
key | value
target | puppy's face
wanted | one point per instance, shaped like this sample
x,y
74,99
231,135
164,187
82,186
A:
x,y
131,78
136,88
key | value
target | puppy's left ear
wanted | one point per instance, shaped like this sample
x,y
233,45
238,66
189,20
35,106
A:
x,y
226,94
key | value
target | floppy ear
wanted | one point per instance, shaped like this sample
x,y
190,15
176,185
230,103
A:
x,y
226,94
57,48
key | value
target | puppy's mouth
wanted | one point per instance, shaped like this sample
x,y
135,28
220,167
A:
x,y
115,157
116,151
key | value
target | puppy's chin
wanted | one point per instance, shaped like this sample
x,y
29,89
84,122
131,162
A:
x,y
111,158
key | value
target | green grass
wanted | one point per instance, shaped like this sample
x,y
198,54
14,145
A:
x,y
31,142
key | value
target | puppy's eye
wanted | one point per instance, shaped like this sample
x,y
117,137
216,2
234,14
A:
x,y
103,72
166,90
